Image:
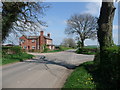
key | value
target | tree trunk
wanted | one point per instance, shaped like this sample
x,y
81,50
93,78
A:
x,y
82,43
105,23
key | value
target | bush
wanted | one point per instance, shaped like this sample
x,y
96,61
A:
x,y
11,50
45,48
14,54
86,50
62,48
109,66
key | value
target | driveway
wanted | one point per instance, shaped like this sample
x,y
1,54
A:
x,y
46,70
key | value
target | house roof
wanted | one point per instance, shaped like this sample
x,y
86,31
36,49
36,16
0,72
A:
x,y
47,37
32,37
36,37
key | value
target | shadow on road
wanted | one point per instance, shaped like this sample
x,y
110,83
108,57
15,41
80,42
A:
x,y
43,60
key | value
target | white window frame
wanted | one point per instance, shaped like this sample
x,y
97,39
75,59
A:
x,y
22,40
33,41
25,47
33,47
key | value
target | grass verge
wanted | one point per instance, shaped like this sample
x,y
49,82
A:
x,y
11,58
88,51
81,78
58,50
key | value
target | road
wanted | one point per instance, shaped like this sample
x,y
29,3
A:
x,y
47,70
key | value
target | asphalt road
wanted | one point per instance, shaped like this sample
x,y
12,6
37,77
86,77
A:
x,y
47,70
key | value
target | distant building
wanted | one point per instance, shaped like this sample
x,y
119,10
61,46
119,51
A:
x,y
8,45
36,42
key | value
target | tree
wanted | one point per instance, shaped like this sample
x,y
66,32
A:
x,y
105,24
68,42
83,25
21,16
0,27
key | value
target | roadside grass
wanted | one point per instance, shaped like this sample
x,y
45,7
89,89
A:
x,y
57,50
11,58
91,47
13,54
53,51
94,75
89,53
87,50
81,77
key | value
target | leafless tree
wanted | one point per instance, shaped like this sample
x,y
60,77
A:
x,y
82,25
68,42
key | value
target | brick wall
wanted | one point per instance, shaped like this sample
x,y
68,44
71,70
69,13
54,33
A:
x,y
28,43
23,42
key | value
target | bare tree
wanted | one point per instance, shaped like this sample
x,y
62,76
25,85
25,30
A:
x,y
82,25
69,42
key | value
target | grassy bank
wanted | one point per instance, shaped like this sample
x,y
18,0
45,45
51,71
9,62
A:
x,y
15,58
13,54
61,48
81,78
87,50
96,74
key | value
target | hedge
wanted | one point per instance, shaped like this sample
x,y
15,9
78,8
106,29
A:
x,y
86,50
109,67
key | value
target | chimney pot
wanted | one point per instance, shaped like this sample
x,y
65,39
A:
x,y
41,33
48,34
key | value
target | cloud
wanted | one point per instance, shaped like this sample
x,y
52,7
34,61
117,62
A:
x,y
93,8
115,27
0,7
115,34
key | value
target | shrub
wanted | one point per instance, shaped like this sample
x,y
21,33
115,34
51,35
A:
x,y
45,48
11,50
13,54
16,49
109,67
86,50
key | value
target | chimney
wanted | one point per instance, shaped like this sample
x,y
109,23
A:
x,y
48,34
41,33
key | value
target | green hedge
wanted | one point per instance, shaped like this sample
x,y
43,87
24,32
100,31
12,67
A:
x,y
109,67
86,50
11,50
14,54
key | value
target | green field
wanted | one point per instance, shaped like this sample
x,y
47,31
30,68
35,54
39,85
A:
x,y
92,46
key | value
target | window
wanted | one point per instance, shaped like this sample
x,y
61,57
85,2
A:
x,y
33,47
33,41
22,41
25,47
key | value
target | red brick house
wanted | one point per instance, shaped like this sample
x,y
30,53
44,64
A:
x,y
36,42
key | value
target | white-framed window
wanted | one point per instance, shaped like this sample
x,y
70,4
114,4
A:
x,y
33,47
33,41
22,41
25,47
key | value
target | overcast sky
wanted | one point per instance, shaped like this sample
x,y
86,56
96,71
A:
x,y
59,12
